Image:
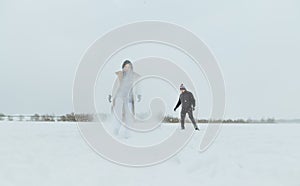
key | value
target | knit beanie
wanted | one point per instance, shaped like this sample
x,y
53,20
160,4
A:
x,y
182,87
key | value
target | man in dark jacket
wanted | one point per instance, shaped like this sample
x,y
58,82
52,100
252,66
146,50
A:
x,y
187,100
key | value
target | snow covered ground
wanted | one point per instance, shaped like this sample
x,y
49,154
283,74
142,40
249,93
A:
x,y
54,154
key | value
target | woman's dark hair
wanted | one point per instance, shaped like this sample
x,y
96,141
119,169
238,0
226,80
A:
x,y
127,62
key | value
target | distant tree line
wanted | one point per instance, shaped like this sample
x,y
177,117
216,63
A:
x,y
171,119
72,117
77,117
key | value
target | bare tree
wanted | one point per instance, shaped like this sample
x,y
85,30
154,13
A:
x,y
10,118
21,117
35,117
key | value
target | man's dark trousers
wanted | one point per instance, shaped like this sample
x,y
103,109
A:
x,y
188,111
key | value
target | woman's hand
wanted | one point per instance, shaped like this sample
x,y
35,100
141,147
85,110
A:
x,y
139,98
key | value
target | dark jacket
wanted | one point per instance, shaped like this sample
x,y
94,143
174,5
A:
x,y
187,100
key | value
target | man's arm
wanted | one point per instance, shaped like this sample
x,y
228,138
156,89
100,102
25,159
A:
x,y
177,105
193,100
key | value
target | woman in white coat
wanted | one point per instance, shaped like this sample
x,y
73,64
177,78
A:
x,y
124,96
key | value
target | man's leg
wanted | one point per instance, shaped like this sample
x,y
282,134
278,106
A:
x,y
182,116
190,113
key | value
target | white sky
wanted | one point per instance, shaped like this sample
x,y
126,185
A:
x,y
256,42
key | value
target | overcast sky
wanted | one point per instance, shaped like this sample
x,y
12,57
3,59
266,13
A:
x,y
256,42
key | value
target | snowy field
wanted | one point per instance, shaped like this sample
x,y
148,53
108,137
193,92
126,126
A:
x,y
55,154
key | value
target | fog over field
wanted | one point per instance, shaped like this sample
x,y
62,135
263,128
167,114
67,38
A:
x,y
256,44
